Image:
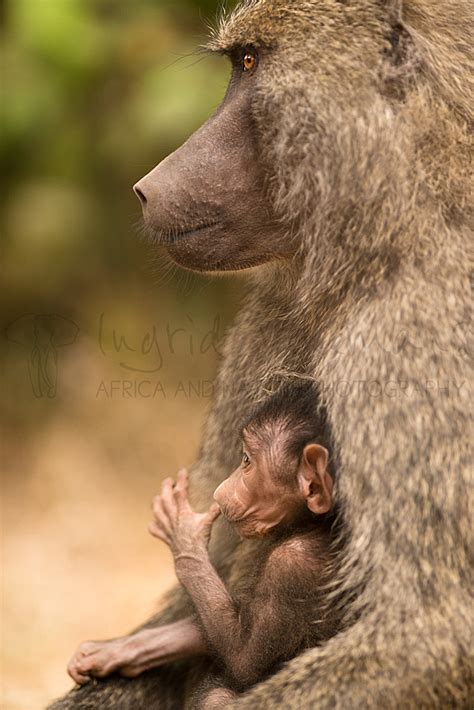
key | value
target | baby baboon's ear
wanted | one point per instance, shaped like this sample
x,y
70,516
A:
x,y
314,480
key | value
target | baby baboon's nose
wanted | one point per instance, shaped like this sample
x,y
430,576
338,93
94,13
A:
x,y
218,496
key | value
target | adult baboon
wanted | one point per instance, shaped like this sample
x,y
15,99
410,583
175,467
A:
x,y
339,160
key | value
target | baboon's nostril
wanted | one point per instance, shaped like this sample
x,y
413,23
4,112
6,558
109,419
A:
x,y
140,194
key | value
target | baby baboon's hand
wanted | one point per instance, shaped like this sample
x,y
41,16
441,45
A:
x,y
134,654
99,659
176,523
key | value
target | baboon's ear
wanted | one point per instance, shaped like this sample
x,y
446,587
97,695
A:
x,y
314,480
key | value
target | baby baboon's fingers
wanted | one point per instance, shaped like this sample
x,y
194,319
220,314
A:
x,y
213,513
104,670
76,675
78,666
161,517
131,671
156,531
167,497
87,648
183,477
181,488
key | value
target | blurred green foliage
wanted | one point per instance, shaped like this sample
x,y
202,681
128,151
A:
x,y
95,93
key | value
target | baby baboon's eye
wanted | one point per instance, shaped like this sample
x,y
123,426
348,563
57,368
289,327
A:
x,y
249,60
245,459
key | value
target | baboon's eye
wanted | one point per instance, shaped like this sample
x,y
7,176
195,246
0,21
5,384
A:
x,y
249,60
245,459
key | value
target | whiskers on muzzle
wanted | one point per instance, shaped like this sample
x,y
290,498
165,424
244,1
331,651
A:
x,y
171,235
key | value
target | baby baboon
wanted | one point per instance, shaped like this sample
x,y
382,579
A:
x,y
281,490
340,160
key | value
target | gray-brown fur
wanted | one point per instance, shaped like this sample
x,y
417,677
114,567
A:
x,y
363,117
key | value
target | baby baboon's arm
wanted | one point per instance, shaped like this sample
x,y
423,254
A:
x,y
138,652
272,625
251,640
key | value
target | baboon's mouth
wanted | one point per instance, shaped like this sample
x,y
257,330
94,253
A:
x,y
230,518
178,234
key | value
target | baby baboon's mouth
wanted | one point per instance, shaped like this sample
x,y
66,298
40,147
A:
x,y
231,518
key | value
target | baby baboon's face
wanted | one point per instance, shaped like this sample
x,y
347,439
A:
x,y
254,498
273,486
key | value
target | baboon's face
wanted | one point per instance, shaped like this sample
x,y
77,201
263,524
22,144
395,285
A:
x,y
206,202
253,498
218,202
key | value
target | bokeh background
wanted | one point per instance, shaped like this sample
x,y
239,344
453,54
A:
x,y
108,354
